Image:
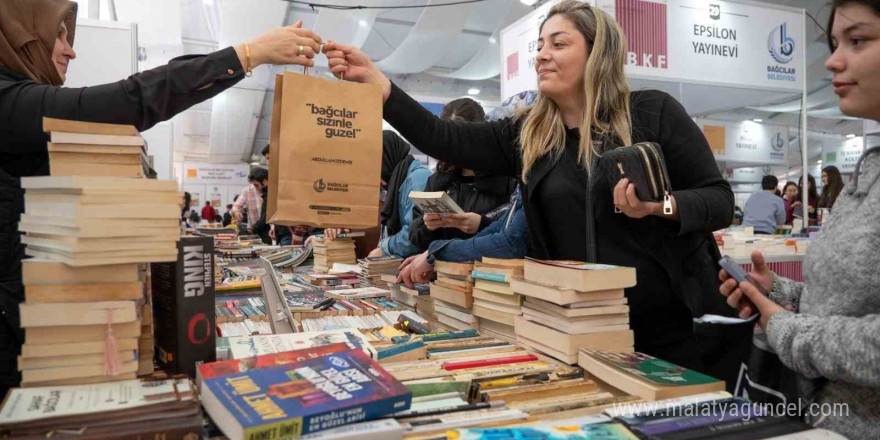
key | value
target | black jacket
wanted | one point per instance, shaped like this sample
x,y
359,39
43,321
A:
x,y
675,262
481,194
142,100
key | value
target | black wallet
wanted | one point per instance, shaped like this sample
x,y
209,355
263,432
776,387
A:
x,y
644,166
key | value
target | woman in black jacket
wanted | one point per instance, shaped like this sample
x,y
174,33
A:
x,y
585,108
478,194
36,39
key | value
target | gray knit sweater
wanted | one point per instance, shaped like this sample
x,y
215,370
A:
x,y
835,330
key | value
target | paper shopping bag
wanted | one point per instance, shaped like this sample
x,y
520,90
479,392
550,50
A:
x,y
325,153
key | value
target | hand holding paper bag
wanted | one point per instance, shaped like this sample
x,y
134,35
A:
x,y
326,153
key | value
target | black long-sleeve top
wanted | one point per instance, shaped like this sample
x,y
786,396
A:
x,y
142,100
675,271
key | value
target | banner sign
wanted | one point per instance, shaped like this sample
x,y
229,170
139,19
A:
x,y
720,42
844,155
747,142
215,174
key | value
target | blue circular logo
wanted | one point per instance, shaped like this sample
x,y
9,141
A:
x,y
780,45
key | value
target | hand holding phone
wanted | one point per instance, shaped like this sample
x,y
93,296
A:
x,y
739,274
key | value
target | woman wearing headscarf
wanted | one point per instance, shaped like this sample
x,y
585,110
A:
x,y
401,173
36,47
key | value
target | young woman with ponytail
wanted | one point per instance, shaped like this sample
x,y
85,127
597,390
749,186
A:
x,y
584,108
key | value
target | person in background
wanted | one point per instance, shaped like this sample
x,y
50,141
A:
x,y
260,227
812,199
585,108
401,173
478,194
282,234
246,208
832,184
765,211
208,213
789,195
506,237
827,329
227,216
187,203
737,216
194,218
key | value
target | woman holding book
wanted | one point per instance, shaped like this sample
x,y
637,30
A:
x,y
479,194
827,328
585,108
36,39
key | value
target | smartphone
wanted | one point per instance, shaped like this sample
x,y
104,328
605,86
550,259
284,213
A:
x,y
738,273
734,270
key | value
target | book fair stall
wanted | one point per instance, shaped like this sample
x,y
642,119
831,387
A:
x,y
270,258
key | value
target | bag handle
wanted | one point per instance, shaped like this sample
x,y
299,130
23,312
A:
x,y
341,76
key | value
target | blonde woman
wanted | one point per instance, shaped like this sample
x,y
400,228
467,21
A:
x,y
584,108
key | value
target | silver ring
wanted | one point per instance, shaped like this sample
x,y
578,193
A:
x,y
300,50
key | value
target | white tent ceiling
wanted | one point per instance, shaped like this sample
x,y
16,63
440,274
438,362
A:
x,y
436,63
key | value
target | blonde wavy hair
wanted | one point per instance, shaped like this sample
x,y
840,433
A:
x,y
606,92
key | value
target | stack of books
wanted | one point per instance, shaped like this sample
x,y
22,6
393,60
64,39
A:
x,y
453,295
645,376
571,305
92,149
495,303
403,297
93,221
335,280
128,409
65,317
374,269
328,251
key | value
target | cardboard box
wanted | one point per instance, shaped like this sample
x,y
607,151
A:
x,y
183,307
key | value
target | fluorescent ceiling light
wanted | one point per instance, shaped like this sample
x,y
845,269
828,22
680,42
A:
x,y
363,23
819,161
473,91
493,40
757,120
850,136
528,2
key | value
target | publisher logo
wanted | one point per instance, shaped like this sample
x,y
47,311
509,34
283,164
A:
x,y
338,362
321,186
780,45
777,142
715,12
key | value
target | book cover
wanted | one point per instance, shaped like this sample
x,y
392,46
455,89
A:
x,y
301,398
183,295
436,202
651,369
605,431
258,345
233,366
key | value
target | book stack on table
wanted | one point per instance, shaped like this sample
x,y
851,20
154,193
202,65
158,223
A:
x,y
68,315
374,269
452,293
570,305
495,303
92,149
328,251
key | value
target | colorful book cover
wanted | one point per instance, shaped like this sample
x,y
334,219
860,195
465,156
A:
x,y
651,369
243,347
603,431
489,276
225,368
300,398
